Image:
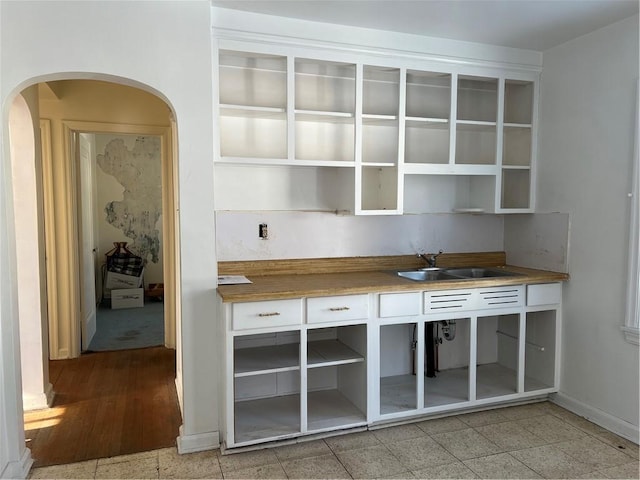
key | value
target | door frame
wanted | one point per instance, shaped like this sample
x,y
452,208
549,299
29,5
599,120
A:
x,y
62,234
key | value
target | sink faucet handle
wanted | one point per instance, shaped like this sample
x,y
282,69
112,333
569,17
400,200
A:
x,y
433,258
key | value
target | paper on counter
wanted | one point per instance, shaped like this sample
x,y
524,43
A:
x,y
232,279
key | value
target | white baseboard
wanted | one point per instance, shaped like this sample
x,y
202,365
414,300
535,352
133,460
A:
x,y
18,469
197,443
38,401
616,425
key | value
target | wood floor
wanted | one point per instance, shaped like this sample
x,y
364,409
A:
x,y
106,404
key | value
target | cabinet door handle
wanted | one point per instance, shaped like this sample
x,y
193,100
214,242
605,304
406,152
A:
x,y
339,309
271,314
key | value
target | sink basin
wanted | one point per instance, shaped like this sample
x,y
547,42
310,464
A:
x,y
428,275
468,273
479,272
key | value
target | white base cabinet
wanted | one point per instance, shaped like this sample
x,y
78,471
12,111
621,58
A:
x,y
313,365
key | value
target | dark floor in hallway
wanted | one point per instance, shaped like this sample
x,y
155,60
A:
x,y
106,404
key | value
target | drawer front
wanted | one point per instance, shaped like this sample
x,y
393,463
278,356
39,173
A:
x,y
272,313
399,304
337,308
442,301
544,294
499,297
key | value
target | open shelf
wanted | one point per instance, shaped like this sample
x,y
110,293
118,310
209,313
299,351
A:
x,y
518,102
447,387
267,418
397,394
516,184
428,95
516,150
398,384
379,188
268,359
426,141
540,351
477,98
325,86
380,91
329,409
252,79
476,143
447,193
324,353
497,360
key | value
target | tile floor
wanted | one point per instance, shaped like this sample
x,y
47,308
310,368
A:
x,y
531,441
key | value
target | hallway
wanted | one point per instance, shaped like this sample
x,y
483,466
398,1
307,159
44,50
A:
x,y
106,404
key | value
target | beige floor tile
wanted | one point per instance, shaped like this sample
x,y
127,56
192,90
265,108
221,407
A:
x,y
579,422
550,462
487,417
371,462
72,470
452,470
244,460
628,470
510,436
143,468
524,411
551,429
352,441
129,458
418,453
592,451
273,470
191,465
400,476
466,444
324,466
395,434
442,425
622,444
501,465
314,448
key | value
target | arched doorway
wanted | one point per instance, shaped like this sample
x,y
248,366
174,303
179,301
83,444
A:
x,y
58,196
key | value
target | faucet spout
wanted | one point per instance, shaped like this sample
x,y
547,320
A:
x,y
430,259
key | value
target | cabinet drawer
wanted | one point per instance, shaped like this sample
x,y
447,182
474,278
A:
x,y
338,308
449,301
399,304
499,297
544,294
272,313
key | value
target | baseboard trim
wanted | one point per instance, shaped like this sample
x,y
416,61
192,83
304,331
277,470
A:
x,y
178,383
19,469
38,401
198,442
605,420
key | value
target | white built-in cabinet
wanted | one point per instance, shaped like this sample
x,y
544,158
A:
x,y
306,129
308,366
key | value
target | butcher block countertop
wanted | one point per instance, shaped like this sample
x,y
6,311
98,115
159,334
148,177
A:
x,y
318,277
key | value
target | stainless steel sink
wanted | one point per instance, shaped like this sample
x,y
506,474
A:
x,y
428,275
479,272
434,274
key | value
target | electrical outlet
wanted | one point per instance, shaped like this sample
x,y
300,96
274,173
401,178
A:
x,y
263,231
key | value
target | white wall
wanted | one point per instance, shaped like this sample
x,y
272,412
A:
x,y
324,234
164,47
585,151
24,127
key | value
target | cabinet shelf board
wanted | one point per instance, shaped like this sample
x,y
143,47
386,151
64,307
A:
x,y
516,167
476,125
427,122
495,380
377,164
517,125
398,394
448,169
325,353
250,111
323,116
285,162
375,119
265,360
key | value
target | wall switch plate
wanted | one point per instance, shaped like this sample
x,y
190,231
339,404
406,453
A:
x,y
263,231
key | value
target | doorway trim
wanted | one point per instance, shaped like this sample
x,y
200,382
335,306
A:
x,y
61,233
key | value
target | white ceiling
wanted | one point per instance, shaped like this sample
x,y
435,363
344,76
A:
x,y
529,24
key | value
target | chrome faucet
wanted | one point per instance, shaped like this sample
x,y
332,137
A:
x,y
430,259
